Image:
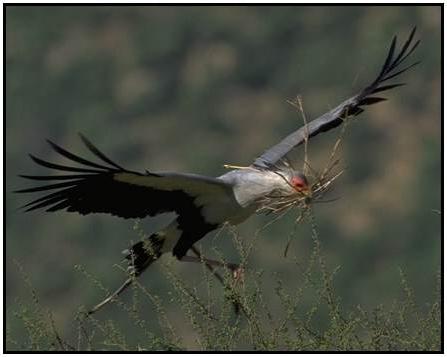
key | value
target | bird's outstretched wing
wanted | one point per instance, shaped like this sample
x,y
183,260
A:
x,y
350,107
98,188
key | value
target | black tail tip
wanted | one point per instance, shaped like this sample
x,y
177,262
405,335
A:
x,y
143,254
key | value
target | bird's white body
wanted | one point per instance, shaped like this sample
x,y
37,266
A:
x,y
249,186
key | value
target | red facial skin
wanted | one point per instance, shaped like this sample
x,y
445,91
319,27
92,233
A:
x,y
299,183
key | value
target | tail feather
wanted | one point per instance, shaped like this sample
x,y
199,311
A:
x,y
139,257
144,253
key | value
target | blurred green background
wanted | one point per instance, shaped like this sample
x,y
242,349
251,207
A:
x,y
191,88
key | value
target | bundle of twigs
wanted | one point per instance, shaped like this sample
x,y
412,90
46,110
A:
x,y
320,183
301,199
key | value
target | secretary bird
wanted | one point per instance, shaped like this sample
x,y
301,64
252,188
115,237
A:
x,y
202,204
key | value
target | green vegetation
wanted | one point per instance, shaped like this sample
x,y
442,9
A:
x,y
190,89
310,317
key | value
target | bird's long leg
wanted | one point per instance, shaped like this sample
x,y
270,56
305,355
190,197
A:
x,y
112,296
209,263
236,270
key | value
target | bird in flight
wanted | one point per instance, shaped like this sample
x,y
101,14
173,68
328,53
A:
x,y
202,204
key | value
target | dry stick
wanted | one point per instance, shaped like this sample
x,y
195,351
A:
x,y
306,132
289,240
312,172
323,185
306,165
331,164
318,190
298,103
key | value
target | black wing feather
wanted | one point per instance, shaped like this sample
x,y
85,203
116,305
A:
x,y
114,190
387,87
45,198
371,100
61,167
74,157
49,187
52,177
98,153
350,107
45,203
389,57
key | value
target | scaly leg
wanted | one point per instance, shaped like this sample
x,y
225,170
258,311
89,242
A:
x,y
236,270
112,296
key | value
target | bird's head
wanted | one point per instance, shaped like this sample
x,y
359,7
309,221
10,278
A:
x,y
293,182
298,181
288,188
